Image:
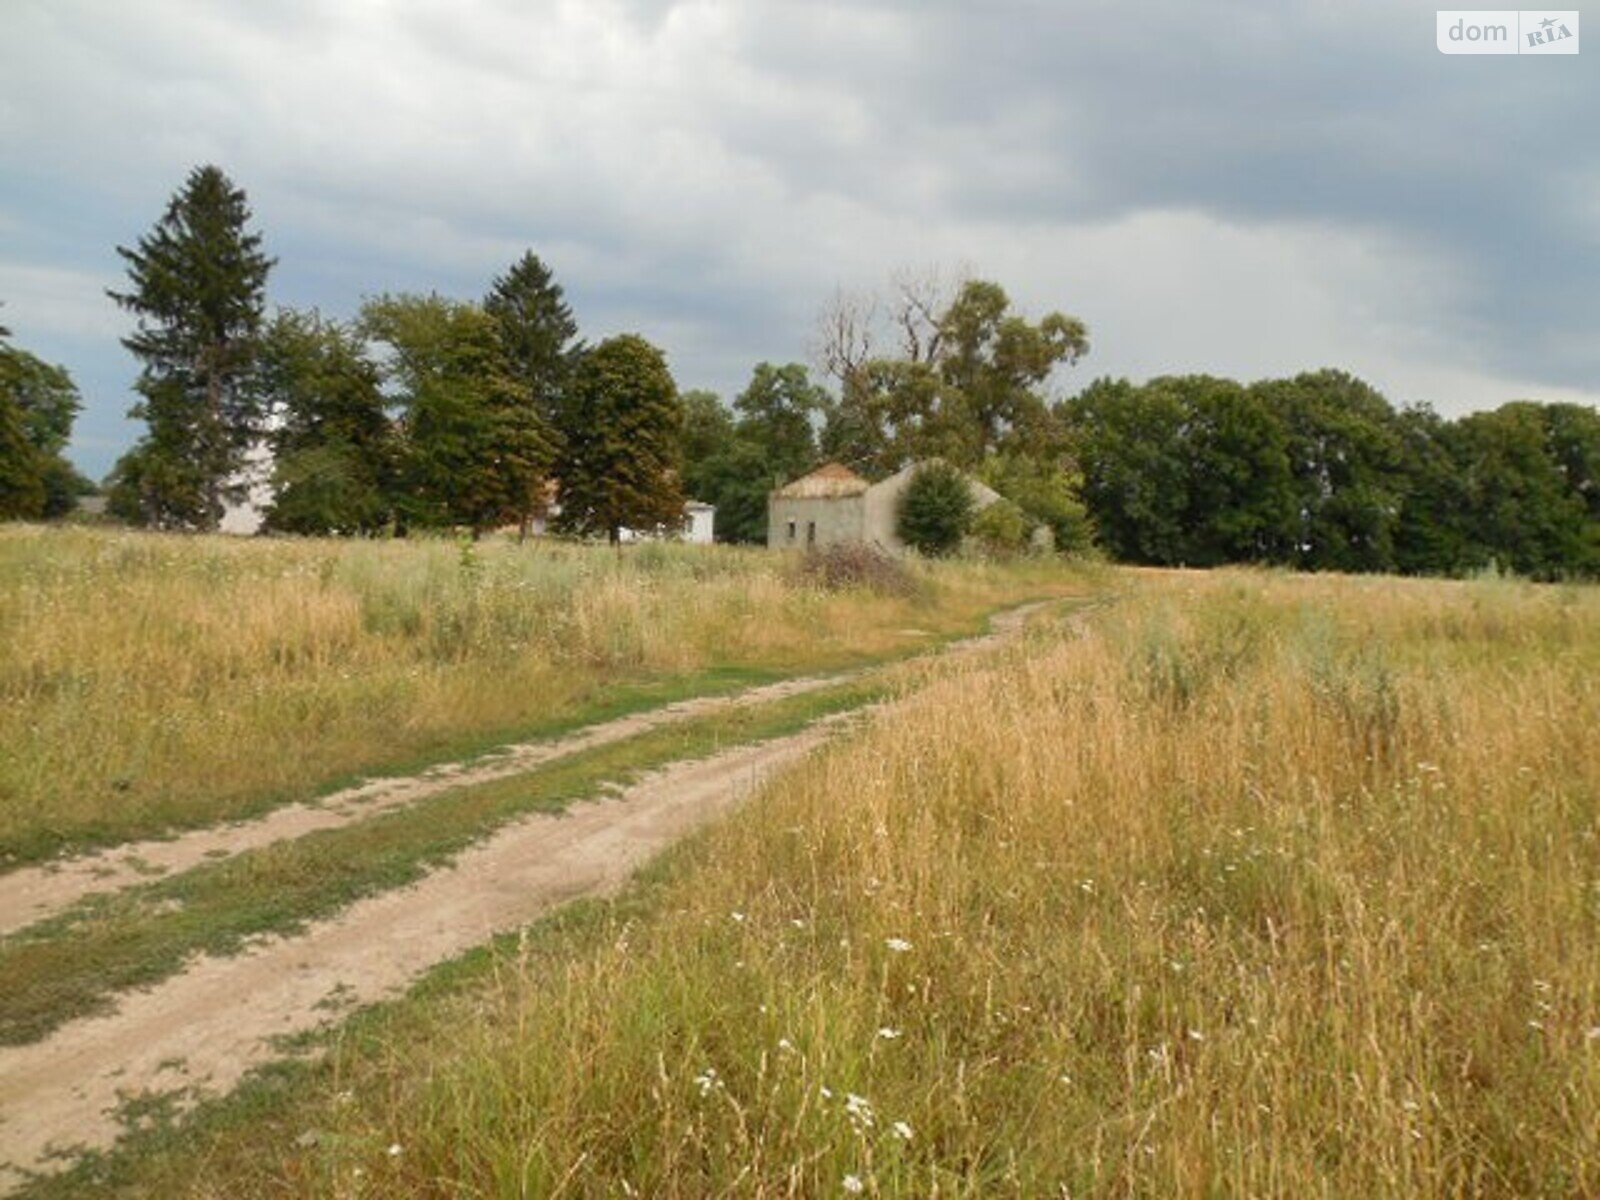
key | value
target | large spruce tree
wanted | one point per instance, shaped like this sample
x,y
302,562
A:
x,y
198,285
622,421
536,329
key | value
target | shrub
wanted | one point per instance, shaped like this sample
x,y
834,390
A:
x,y
1047,494
1001,530
935,510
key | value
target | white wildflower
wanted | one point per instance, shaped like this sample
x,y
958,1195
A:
x,y
853,1185
902,1130
888,1034
898,945
394,1150
859,1110
707,1081
738,918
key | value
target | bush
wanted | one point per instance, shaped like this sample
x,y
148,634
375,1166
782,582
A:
x,y
857,565
1001,529
1047,494
935,510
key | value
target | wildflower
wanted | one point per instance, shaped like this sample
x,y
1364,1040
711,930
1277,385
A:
x,y
786,1045
827,1092
1196,1036
888,1034
1594,1033
738,918
902,1131
898,945
859,1110
707,1081
394,1150
853,1185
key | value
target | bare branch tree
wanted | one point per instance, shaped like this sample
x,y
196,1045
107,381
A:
x,y
845,334
921,297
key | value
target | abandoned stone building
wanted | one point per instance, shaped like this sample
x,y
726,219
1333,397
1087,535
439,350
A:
x,y
833,504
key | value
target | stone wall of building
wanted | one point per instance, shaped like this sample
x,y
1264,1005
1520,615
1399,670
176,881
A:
x,y
799,521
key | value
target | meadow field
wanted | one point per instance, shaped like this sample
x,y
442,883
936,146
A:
x,y
150,682
1237,884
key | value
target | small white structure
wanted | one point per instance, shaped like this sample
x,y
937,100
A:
x,y
698,520
247,516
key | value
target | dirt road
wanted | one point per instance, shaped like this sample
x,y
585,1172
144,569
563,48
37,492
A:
x,y
34,893
204,1028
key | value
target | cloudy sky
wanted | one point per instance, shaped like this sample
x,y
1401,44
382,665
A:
x,y
1241,188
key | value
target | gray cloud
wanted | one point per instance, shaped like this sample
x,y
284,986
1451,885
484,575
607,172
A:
x,y
1245,188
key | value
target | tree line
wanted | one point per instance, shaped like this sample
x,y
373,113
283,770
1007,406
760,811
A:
x,y
422,412
1321,472
430,412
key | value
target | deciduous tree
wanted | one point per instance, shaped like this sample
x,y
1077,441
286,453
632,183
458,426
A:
x,y
475,451
38,402
333,444
622,426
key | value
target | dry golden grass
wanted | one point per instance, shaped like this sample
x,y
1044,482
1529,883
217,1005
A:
x,y
1262,885
150,681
